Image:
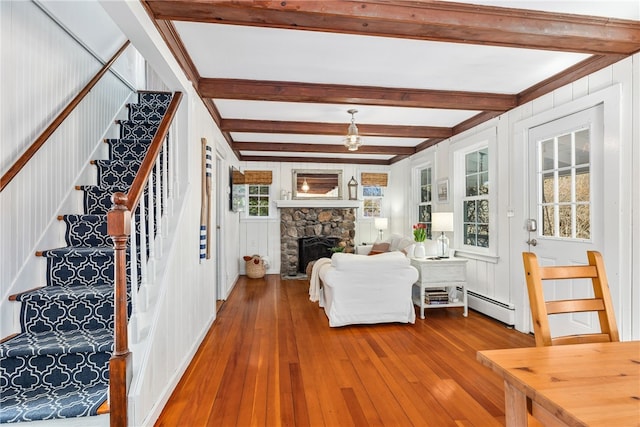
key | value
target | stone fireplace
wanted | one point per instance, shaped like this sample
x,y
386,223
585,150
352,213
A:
x,y
298,222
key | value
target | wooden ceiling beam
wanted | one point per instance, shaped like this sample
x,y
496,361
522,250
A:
x,y
437,21
314,128
341,160
321,148
261,90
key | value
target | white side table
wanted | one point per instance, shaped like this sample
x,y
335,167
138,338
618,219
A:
x,y
440,273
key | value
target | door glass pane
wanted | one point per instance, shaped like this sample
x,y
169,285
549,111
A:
x,y
583,222
564,186
548,222
582,147
583,184
546,147
547,187
564,151
565,221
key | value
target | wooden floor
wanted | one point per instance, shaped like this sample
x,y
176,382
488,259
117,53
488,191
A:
x,y
271,359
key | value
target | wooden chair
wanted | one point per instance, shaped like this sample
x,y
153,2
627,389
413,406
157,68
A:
x,y
541,309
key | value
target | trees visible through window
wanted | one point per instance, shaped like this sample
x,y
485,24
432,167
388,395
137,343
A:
x,y
476,199
258,200
566,191
425,200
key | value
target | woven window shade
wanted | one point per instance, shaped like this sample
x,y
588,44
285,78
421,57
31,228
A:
x,y
237,177
379,179
258,177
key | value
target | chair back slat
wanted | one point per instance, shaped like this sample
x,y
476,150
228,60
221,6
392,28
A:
x,y
541,309
574,305
568,272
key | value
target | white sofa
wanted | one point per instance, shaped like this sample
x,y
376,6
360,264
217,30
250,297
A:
x,y
359,289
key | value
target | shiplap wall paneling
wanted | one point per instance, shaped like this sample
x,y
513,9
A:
x,y
43,68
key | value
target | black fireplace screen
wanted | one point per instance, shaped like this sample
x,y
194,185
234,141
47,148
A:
x,y
313,248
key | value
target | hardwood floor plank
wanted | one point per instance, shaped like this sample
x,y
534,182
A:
x,y
271,359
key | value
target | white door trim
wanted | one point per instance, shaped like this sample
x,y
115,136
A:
x,y
616,245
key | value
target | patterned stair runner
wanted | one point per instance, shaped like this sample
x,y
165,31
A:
x,y
57,366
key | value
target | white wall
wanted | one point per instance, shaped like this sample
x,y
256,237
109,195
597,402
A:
x,y
500,277
262,236
42,69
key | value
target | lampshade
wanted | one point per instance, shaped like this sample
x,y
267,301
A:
x,y
442,221
381,223
352,140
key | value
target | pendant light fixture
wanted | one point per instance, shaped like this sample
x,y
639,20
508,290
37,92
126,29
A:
x,y
352,141
305,186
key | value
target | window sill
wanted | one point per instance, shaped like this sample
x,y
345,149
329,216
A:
x,y
465,253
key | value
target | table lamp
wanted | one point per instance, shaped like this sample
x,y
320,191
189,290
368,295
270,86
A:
x,y
442,221
381,225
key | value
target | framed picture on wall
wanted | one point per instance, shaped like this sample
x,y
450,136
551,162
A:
x,y
442,190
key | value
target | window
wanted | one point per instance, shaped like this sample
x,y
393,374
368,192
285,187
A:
x,y
258,200
565,180
373,185
425,199
475,201
372,205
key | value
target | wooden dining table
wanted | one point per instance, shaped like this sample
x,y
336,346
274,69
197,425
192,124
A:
x,y
574,385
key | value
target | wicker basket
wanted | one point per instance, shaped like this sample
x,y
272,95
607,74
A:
x,y
255,266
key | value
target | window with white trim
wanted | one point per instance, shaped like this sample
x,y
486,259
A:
x,y
425,198
258,196
475,202
258,193
475,193
373,186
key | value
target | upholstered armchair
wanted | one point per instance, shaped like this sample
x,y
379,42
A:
x,y
360,289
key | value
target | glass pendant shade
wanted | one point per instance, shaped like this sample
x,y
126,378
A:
x,y
352,140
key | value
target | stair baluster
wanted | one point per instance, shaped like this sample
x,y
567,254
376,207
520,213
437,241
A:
x,y
119,227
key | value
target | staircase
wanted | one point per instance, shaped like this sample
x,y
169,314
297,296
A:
x,y
58,365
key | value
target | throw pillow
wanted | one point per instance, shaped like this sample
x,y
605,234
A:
x,y
379,248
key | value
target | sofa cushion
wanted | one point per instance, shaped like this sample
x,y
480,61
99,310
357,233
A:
x,y
383,261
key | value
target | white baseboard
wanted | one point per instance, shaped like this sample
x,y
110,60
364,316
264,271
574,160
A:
x,y
504,312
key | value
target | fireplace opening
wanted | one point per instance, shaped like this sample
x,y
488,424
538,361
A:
x,y
312,248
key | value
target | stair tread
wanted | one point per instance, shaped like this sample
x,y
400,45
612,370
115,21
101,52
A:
x,y
75,292
69,400
58,342
108,162
80,251
50,372
128,141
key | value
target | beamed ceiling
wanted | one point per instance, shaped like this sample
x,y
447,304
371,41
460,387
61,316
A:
x,y
279,76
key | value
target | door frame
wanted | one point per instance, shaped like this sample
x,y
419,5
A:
x,y
616,245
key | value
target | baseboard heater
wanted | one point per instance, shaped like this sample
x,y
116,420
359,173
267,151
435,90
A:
x,y
504,312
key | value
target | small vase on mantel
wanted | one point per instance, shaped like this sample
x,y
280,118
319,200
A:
x,y
418,250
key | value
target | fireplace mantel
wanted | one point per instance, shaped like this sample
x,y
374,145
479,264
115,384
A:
x,y
318,203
